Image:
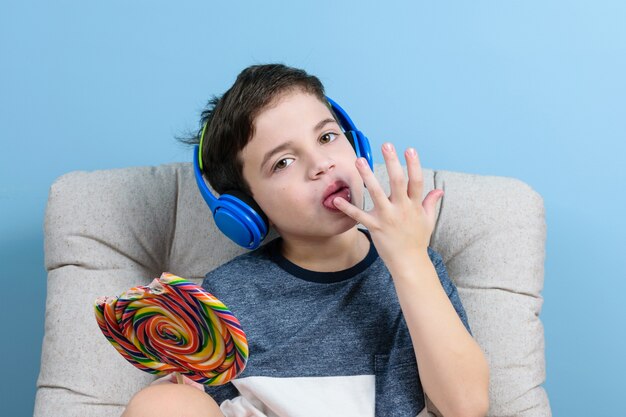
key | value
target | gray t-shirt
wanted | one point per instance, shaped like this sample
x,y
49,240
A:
x,y
300,323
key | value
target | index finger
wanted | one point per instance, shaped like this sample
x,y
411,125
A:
x,y
379,197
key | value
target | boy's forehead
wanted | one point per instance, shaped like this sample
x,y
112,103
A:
x,y
289,118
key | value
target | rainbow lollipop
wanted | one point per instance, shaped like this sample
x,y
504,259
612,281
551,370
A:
x,y
173,325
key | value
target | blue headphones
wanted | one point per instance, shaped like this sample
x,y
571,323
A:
x,y
237,215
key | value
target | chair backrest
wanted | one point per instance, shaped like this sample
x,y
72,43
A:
x,y
107,231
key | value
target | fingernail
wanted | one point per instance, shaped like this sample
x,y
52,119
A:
x,y
412,152
361,162
388,147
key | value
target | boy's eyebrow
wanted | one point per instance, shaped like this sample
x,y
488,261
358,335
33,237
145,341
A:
x,y
275,150
323,123
287,144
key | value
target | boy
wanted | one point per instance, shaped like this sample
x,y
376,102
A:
x,y
335,315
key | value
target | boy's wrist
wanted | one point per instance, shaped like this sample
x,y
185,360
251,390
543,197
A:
x,y
411,267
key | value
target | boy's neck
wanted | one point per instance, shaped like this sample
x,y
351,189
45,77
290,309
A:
x,y
332,254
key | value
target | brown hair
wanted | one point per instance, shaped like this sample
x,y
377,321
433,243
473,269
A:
x,y
230,119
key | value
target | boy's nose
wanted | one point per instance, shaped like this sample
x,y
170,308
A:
x,y
320,166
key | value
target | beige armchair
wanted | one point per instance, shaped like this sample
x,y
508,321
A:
x,y
106,231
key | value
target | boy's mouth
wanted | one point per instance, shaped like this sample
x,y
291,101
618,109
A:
x,y
336,189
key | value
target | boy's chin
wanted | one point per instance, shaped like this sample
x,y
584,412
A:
x,y
342,225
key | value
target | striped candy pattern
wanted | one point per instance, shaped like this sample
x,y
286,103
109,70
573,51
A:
x,y
173,325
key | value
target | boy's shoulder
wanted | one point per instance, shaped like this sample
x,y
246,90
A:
x,y
245,263
254,257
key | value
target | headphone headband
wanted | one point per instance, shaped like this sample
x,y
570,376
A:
x,y
344,120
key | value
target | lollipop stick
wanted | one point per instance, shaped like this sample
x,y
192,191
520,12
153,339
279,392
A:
x,y
179,378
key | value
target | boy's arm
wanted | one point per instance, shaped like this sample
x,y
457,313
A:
x,y
452,367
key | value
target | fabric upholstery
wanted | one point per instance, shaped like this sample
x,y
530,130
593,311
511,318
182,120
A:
x,y
107,231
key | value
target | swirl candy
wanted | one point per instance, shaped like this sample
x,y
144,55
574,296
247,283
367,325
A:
x,y
173,325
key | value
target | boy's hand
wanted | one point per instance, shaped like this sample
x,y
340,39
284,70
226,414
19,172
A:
x,y
401,224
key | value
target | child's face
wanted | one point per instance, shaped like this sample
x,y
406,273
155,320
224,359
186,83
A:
x,y
297,153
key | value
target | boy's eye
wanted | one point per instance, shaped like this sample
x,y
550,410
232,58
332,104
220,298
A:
x,y
282,164
328,137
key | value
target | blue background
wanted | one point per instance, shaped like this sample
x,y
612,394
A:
x,y
529,89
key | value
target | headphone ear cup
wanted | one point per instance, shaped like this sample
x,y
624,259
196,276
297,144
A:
x,y
361,146
252,205
239,217
235,213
